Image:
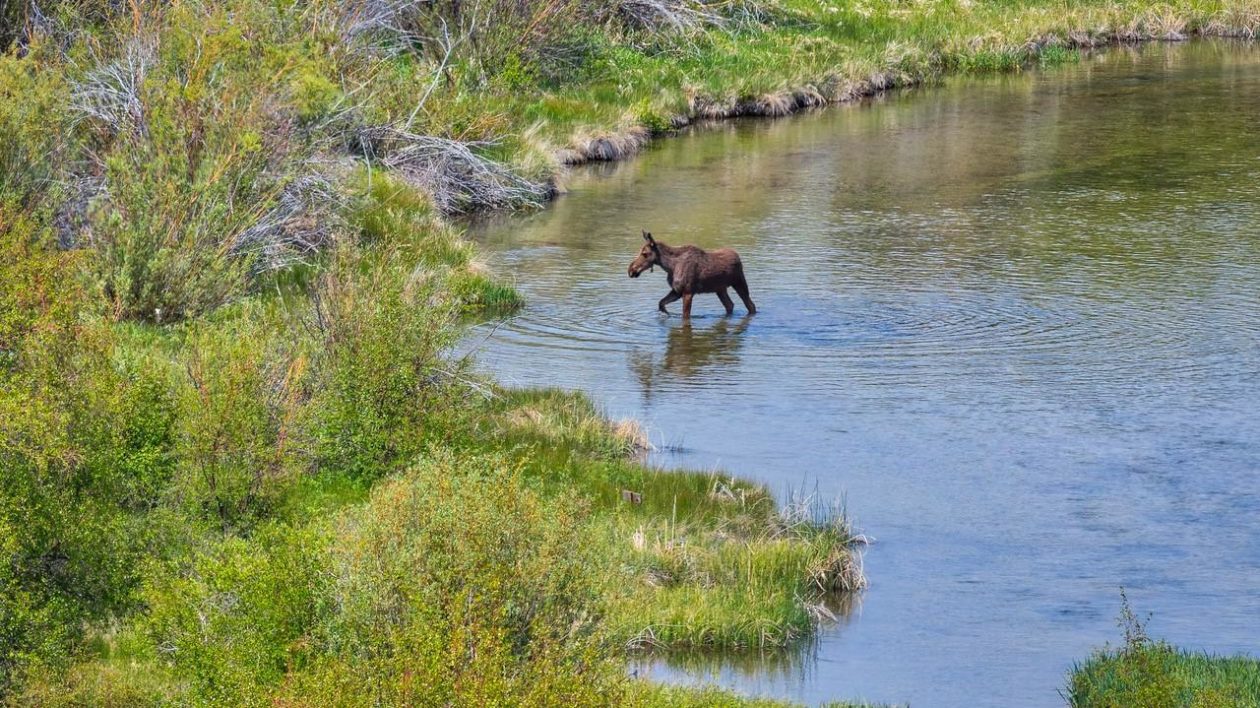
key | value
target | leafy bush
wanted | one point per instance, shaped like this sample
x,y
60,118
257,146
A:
x,y
84,445
187,177
32,104
382,328
239,614
235,418
459,585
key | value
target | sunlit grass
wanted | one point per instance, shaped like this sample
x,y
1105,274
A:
x,y
839,49
1162,676
1153,674
696,559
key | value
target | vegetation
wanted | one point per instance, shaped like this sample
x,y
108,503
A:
x,y
238,463
1146,672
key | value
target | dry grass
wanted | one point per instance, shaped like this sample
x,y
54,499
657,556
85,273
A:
x,y
605,146
634,435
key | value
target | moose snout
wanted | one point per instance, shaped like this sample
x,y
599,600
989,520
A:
x,y
632,272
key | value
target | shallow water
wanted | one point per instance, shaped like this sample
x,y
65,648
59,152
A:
x,y
1015,321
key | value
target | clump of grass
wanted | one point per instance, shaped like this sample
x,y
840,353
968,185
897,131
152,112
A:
x,y
604,146
567,421
1147,672
1056,55
737,573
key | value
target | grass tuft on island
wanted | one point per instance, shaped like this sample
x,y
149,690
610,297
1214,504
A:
x,y
1152,673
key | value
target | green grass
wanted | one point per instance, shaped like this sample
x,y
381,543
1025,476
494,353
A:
x,y
701,560
240,464
837,50
1161,676
1153,674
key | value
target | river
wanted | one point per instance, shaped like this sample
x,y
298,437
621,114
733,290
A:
x,y
1014,321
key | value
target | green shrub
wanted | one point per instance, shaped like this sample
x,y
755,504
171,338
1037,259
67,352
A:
x,y
461,586
238,615
314,95
176,200
383,326
85,448
235,413
33,141
39,291
651,118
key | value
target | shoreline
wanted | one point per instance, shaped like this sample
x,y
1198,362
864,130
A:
x,y
833,91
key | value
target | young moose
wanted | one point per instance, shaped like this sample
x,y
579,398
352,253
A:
x,y
690,270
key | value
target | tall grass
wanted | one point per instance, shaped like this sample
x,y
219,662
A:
x,y
1149,672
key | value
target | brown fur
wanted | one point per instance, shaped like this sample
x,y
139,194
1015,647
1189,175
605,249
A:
x,y
691,270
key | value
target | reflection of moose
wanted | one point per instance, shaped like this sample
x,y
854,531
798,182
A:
x,y
690,270
690,353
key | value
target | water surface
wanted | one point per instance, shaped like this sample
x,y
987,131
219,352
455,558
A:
x,y
1015,321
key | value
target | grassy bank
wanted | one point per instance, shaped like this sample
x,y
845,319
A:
x,y
238,461
1147,672
301,498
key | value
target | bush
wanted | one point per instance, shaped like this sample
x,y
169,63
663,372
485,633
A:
x,y
32,143
382,327
84,445
238,615
458,585
236,411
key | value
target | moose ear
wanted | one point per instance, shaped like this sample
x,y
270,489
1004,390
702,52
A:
x,y
648,237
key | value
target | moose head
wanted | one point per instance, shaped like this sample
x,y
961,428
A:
x,y
648,256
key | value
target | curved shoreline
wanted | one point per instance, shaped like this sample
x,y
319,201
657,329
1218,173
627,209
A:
x,y
832,90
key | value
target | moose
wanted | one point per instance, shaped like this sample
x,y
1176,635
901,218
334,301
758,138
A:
x,y
690,270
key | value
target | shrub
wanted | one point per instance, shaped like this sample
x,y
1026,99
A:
x,y
238,615
30,100
459,585
235,413
382,327
84,445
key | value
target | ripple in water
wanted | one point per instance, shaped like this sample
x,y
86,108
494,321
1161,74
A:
x,y
1016,322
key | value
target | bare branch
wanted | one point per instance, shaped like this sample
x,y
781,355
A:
x,y
455,177
304,222
110,93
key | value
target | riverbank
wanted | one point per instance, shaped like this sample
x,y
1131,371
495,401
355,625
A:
x,y
240,464
302,497
1147,672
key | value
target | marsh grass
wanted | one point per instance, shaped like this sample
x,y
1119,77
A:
x,y
700,560
1150,672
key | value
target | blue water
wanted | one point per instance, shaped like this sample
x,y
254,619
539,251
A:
x,y
1015,322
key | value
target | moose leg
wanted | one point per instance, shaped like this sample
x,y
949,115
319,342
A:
x,y
741,289
687,305
671,297
726,301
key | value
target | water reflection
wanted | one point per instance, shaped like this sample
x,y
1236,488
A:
x,y
692,348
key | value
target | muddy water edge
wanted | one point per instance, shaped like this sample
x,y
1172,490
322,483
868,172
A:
x,y
1015,321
